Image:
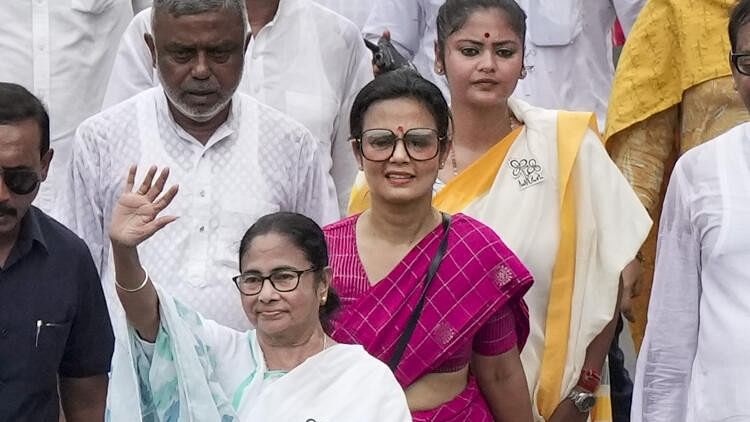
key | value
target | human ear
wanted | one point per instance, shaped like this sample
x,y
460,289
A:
x,y
151,48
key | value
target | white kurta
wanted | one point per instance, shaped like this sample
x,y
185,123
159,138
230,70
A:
x,y
694,365
308,62
258,162
356,11
62,51
568,43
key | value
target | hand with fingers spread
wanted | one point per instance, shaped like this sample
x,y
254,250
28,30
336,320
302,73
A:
x,y
135,218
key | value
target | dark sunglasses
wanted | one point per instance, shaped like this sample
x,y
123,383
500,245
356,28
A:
x,y
20,181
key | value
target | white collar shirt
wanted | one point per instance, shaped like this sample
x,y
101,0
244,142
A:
x,y
258,162
62,51
693,365
308,62
568,47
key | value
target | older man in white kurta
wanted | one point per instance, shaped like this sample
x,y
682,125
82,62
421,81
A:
x,y
256,162
307,62
62,51
694,364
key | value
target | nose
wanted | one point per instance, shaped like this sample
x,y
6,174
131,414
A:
x,y
399,152
487,61
201,69
267,292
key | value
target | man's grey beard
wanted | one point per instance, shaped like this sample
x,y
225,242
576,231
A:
x,y
191,113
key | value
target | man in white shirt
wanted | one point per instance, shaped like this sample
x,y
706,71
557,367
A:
x,y
303,60
62,51
237,159
694,365
568,51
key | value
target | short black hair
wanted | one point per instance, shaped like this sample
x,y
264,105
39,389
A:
x,y
740,16
453,14
401,83
307,235
18,104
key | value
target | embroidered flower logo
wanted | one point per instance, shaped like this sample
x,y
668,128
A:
x,y
444,333
503,275
526,172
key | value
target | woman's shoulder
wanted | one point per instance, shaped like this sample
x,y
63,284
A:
x,y
531,115
467,227
343,227
549,121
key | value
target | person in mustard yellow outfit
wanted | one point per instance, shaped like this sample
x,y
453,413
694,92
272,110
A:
x,y
672,91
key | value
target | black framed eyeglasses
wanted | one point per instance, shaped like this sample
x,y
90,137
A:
x,y
741,62
286,280
421,144
20,181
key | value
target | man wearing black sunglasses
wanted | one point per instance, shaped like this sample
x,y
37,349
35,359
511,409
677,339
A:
x,y
54,326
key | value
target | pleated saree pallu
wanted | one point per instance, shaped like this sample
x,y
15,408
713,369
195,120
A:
x,y
478,279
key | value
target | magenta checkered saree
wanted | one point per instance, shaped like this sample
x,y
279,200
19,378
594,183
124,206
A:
x,y
478,279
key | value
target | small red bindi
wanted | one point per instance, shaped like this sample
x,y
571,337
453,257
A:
x,y
401,129
486,34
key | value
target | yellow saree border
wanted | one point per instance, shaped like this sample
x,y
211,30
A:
x,y
474,181
571,129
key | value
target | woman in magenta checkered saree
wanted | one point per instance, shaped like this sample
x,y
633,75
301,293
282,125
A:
x,y
462,361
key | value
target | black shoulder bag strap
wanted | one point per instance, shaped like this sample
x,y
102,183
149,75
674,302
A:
x,y
412,324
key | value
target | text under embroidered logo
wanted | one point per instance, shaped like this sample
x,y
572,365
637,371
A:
x,y
526,172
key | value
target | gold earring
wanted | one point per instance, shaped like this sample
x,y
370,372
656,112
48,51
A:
x,y
439,70
524,72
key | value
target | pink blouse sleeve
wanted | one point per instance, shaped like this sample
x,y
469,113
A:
x,y
497,335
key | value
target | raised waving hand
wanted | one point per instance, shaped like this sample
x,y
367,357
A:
x,y
135,218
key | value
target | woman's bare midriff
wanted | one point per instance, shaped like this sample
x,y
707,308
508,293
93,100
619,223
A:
x,y
434,389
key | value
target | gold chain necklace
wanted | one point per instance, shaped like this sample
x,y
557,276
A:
x,y
514,123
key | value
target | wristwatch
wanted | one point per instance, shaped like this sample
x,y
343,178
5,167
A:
x,y
583,400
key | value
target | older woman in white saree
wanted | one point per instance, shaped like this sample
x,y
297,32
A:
x,y
193,369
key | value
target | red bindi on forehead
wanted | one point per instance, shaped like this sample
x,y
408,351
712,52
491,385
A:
x,y
486,34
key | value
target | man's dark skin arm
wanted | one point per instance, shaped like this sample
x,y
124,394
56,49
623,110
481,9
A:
x,y
84,399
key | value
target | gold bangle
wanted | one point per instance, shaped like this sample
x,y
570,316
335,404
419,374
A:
x,y
125,289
